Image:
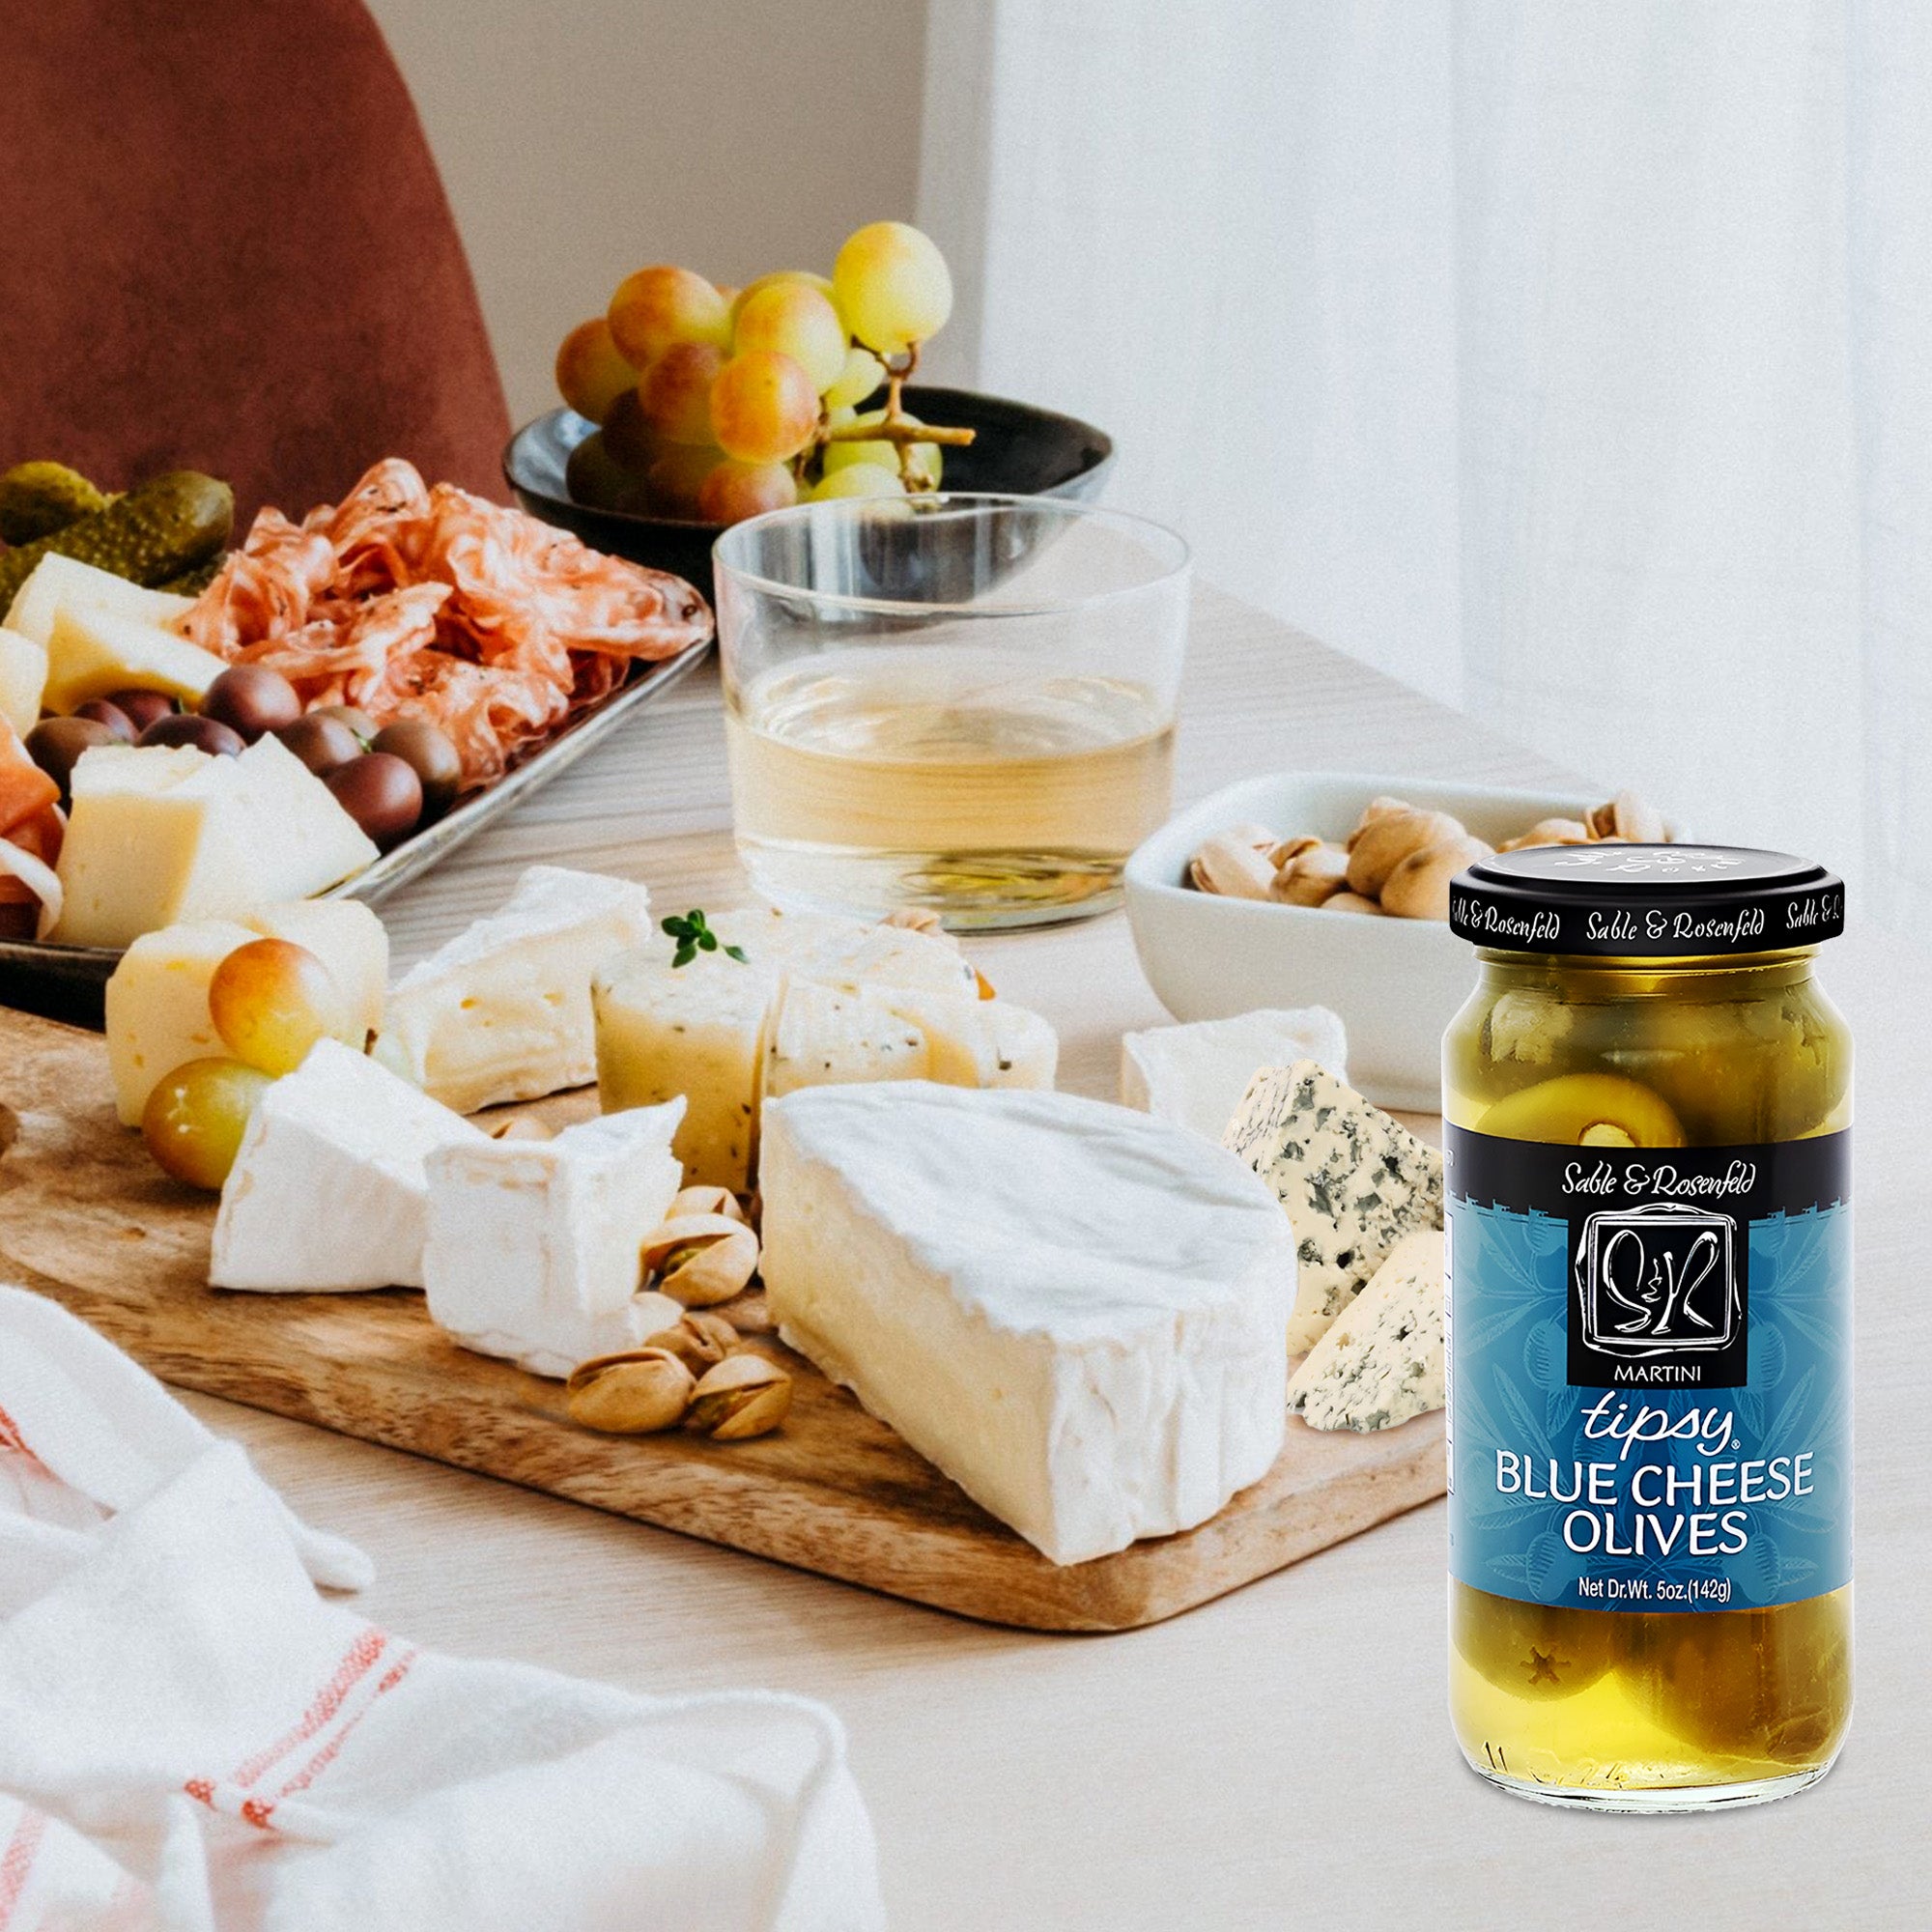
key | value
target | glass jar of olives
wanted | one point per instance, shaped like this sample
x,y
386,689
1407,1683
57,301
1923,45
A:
x,y
1647,1108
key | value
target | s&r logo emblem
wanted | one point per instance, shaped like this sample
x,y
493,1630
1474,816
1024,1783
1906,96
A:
x,y
1658,1301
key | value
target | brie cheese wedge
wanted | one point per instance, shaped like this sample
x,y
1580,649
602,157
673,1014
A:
x,y
329,1189
1074,1311
1196,1074
502,1012
533,1245
1383,1362
1354,1182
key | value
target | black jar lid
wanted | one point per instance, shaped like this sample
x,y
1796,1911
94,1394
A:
x,y
1645,901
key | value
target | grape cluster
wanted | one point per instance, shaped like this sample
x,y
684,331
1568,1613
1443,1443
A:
x,y
716,404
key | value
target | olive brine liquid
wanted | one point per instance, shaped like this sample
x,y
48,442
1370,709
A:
x,y
1649,1403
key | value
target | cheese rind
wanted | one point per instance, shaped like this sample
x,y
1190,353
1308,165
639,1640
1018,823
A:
x,y
1196,1074
1352,1181
533,1245
503,1012
1075,1312
156,999
328,1190
1382,1361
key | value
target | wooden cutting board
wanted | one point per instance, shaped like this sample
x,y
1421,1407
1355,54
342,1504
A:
x,y
86,1218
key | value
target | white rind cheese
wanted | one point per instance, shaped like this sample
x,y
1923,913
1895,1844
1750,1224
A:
x,y
1196,1074
1381,1363
502,1012
328,1190
1075,1312
1354,1182
533,1245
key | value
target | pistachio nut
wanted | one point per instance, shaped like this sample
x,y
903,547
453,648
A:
x,y
1632,819
1419,887
698,1346
919,918
634,1393
1549,831
707,1200
699,1259
1231,866
523,1128
1313,876
1284,851
743,1396
1381,846
1352,902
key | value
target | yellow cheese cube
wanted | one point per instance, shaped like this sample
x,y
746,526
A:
x,y
157,1004
57,582
23,677
91,652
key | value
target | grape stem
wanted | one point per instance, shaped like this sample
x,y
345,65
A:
x,y
903,431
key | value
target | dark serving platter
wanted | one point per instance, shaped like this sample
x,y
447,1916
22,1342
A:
x,y
66,980
1018,451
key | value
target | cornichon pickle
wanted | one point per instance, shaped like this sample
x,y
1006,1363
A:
x,y
158,529
38,498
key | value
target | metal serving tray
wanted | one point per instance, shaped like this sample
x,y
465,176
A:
x,y
32,973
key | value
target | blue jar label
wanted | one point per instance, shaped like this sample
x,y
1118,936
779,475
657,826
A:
x,y
1649,1357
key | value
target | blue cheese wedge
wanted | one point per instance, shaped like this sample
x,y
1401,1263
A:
x,y
1382,1362
1354,1182
1072,1310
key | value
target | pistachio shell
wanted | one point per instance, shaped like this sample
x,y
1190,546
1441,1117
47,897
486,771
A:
x,y
1419,887
523,1128
707,1200
743,1396
1314,876
1230,866
636,1393
1549,831
700,1259
1633,819
698,1348
1352,902
1379,846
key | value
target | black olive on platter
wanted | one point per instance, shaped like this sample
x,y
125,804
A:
x,y
104,711
322,743
360,721
251,699
381,793
56,745
142,708
430,752
204,734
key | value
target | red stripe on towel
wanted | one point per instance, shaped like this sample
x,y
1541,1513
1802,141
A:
x,y
16,1860
309,1772
357,1663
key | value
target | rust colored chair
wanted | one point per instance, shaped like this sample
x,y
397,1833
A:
x,y
227,248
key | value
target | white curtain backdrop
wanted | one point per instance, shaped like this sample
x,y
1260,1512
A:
x,y
1572,361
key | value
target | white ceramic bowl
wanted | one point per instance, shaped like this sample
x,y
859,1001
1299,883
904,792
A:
x,y
1395,983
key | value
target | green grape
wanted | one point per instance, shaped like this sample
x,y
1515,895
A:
x,y
778,278
734,491
893,287
861,373
859,479
194,1120
675,393
662,305
764,408
593,475
797,320
590,374
921,460
272,999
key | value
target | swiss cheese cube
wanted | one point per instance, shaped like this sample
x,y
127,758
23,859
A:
x,y
57,582
93,651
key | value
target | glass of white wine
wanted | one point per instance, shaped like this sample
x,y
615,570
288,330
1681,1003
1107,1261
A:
x,y
957,702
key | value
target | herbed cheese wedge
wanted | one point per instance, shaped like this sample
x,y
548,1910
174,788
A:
x,y
533,1245
158,835
1381,1363
832,1035
328,1190
1196,1074
1074,1311
58,582
976,1042
502,1012
1354,1182
157,1001
884,956
93,651
695,1030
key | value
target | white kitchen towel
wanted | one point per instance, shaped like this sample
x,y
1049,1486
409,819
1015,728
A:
x,y
192,1740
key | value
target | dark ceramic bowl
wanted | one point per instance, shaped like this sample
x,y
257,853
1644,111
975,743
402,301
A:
x,y
1020,451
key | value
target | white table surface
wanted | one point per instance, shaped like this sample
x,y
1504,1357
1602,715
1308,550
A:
x,y
1281,1755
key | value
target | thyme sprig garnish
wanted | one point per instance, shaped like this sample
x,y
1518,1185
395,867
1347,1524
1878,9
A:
x,y
694,936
